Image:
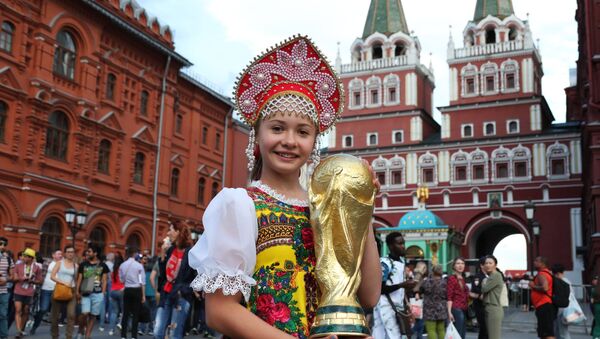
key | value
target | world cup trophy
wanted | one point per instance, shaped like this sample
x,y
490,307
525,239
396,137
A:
x,y
342,195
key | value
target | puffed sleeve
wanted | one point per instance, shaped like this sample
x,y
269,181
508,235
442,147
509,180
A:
x,y
225,254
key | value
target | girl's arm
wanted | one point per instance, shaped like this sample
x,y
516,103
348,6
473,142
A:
x,y
370,289
225,314
55,272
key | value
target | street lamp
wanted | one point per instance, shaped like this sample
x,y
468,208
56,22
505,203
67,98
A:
x,y
76,221
535,226
529,214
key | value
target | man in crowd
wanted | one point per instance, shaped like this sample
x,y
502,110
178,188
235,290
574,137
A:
x,y
541,291
46,293
6,271
393,286
133,276
26,276
91,288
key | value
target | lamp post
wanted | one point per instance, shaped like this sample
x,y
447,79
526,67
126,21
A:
x,y
529,214
76,221
535,226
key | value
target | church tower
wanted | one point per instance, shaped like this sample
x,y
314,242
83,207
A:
x,y
388,90
495,78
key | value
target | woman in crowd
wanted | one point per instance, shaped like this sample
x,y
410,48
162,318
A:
x,y
116,295
64,273
458,297
492,289
150,294
176,294
435,310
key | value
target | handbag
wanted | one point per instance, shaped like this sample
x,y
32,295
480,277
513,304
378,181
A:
x,y
145,316
404,318
62,292
452,332
416,308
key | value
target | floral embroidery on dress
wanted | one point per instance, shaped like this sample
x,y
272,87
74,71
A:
x,y
276,298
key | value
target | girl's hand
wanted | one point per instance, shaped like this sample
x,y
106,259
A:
x,y
375,179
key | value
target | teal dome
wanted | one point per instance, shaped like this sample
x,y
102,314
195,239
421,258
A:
x,y
420,219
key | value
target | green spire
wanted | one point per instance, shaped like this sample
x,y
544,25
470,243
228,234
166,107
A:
x,y
498,8
386,17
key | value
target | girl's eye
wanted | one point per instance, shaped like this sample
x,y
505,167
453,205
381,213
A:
x,y
277,128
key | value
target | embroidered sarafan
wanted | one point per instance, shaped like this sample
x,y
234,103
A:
x,y
285,295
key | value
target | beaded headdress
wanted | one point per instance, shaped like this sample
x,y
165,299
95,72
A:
x,y
291,77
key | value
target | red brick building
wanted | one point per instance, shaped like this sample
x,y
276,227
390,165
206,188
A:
x,y
96,115
583,102
496,149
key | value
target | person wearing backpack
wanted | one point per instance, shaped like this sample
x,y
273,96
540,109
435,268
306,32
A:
x,y
541,296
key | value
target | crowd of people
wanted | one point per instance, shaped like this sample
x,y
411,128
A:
x,y
458,296
139,295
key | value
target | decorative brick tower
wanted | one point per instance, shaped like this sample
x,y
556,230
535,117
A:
x,y
388,90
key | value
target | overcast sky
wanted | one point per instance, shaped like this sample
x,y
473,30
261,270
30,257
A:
x,y
222,36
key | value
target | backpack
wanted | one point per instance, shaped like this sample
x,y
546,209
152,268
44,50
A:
x,y
560,292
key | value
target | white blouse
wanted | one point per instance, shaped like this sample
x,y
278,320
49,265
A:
x,y
225,254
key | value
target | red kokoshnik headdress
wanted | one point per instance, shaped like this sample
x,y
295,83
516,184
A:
x,y
291,77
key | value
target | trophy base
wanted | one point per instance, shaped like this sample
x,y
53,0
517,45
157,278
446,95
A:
x,y
342,321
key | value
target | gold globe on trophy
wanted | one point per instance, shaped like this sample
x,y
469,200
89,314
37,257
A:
x,y
342,196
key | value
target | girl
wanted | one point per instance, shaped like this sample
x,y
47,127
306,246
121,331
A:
x,y
116,296
458,297
492,289
64,273
258,242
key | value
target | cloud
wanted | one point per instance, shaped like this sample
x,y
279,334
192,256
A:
x,y
222,36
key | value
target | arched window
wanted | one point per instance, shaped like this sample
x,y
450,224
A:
x,y
372,139
175,182
134,241
512,126
558,161
6,36
391,84
50,237
215,189
373,92
65,55
479,166
178,123
57,135
201,189
428,169
144,103
111,81
521,159
489,128
467,130
396,165
489,78
104,156
397,137
399,49
98,237
490,35
138,168
380,166
460,167
218,141
348,141
356,94
204,135
3,118
510,76
377,51
470,82
501,164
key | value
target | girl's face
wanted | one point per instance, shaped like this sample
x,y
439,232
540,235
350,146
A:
x,y
173,234
490,265
459,266
285,142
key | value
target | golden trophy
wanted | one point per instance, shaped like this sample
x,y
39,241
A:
x,y
342,196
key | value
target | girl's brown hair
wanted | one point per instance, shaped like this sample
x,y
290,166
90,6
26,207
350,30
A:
x,y
184,239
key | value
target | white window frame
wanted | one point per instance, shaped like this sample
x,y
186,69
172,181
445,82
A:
x,y
551,154
515,157
391,81
489,69
466,163
496,160
381,165
485,123
369,139
462,131
503,70
373,83
344,140
356,85
397,163
508,126
476,161
467,72
394,136
423,166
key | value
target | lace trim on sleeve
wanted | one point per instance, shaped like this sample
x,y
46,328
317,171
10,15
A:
x,y
228,284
